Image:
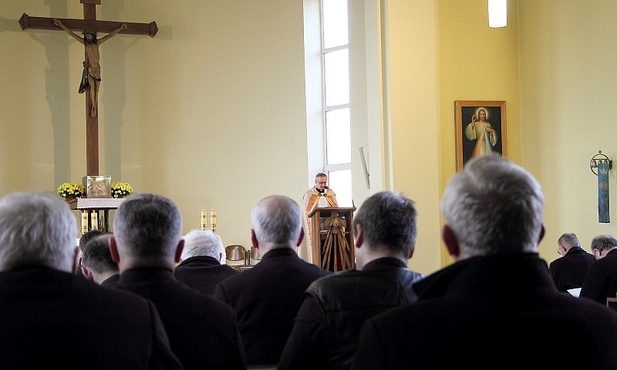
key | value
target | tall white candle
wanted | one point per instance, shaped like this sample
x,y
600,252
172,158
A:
x,y
213,220
204,219
94,220
84,222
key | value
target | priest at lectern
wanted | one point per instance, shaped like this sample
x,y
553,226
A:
x,y
317,196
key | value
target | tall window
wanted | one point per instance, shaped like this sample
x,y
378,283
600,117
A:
x,y
337,129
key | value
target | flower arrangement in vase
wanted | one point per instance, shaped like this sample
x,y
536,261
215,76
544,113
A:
x,y
121,189
71,190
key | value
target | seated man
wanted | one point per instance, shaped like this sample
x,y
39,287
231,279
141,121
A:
x,y
496,305
569,270
601,279
83,239
267,297
97,264
147,242
325,332
201,266
50,318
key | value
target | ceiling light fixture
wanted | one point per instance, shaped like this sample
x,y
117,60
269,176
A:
x,y
497,13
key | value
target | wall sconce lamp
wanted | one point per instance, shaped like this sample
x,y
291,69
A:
x,y
497,13
599,160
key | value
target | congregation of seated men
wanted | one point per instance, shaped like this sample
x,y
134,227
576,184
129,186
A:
x,y
147,297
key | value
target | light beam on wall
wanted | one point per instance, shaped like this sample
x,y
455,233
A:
x,y
497,13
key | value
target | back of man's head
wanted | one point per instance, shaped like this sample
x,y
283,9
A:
x,y
202,243
603,242
87,236
36,229
493,206
147,226
388,222
277,221
97,257
569,240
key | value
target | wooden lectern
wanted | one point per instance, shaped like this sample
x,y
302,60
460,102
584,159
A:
x,y
332,241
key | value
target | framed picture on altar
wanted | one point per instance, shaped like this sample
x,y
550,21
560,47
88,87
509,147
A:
x,y
480,129
97,186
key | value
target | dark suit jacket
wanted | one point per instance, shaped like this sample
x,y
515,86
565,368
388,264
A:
x,y
569,270
58,320
111,281
326,329
488,313
203,331
266,299
601,279
202,273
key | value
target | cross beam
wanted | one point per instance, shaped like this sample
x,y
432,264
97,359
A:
x,y
41,23
92,25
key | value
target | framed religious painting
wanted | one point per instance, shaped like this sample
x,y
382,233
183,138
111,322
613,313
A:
x,y
480,129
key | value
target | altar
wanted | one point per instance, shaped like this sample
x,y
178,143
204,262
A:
x,y
95,212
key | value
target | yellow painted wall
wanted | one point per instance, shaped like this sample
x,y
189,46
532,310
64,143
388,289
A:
x,y
413,128
568,94
476,63
439,52
211,112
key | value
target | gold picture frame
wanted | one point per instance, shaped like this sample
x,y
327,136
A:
x,y
97,186
469,124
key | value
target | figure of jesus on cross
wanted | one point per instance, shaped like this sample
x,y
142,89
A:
x,y
91,75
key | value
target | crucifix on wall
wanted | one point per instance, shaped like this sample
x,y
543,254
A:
x,y
91,77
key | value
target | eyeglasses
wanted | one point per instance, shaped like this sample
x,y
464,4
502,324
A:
x,y
560,249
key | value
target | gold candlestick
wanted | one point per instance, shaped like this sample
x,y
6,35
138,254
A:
x,y
213,220
204,219
84,222
94,220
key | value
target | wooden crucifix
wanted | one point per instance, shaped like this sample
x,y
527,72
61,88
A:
x,y
90,80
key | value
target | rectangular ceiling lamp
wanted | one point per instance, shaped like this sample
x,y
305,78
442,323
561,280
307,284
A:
x,y
497,13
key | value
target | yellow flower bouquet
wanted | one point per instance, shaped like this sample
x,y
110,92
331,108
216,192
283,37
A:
x,y
121,189
70,190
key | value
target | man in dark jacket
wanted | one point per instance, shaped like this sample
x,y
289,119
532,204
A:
x,y
601,280
568,271
267,297
97,264
496,306
325,333
147,241
201,266
50,318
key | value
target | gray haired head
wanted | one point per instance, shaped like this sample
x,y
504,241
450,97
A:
x,y
277,221
494,206
148,225
36,229
202,243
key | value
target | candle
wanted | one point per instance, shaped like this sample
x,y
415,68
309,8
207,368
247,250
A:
x,y
84,222
213,220
204,219
94,220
